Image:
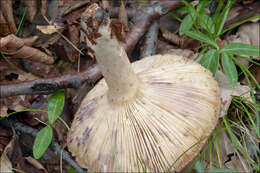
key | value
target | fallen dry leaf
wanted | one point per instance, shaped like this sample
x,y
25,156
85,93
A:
x,y
5,163
35,163
17,48
227,92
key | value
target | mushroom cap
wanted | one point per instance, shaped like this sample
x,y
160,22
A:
x,y
175,108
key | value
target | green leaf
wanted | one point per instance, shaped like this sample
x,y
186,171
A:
x,y
71,170
223,170
187,23
229,69
210,61
201,37
239,23
210,27
42,142
55,105
242,49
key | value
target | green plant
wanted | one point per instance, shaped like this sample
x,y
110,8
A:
x,y
241,125
44,136
208,29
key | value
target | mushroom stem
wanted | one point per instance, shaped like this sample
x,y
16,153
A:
x,y
115,66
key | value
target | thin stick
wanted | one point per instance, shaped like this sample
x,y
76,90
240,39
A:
x,y
47,86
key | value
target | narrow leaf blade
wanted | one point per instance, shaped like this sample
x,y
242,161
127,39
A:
x,y
201,37
223,170
55,106
229,69
210,61
42,141
242,49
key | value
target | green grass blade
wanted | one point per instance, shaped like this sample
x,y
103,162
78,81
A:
x,y
238,24
21,24
223,16
236,142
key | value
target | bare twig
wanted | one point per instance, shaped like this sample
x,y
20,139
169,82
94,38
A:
x,y
54,145
47,86
145,18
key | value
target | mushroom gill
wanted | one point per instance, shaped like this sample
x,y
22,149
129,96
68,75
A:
x,y
143,116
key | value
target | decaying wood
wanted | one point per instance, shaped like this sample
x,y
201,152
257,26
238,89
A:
x,y
47,86
18,48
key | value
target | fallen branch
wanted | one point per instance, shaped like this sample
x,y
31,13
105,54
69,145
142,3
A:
x,y
150,43
54,145
47,86
144,19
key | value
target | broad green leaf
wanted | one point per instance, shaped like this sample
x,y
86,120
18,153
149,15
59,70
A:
x,y
223,170
42,142
199,168
229,69
201,37
55,105
242,49
210,61
187,23
210,27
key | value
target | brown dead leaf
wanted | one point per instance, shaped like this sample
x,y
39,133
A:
x,y
7,9
227,92
12,45
35,163
48,29
4,28
5,162
32,9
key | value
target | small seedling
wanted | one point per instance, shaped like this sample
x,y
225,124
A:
x,y
44,136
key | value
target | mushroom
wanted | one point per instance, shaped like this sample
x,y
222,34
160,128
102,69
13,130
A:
x,y
143,116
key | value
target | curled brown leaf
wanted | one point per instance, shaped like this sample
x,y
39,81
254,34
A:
x,y
7,9
20,48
